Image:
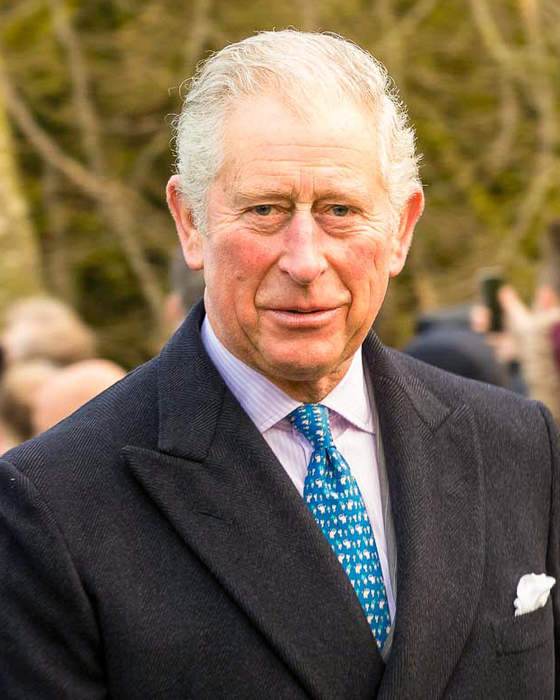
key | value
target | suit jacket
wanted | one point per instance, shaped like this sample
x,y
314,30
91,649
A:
x,y
153,547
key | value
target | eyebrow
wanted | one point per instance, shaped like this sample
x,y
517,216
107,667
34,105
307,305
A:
x,y
357,194
271,195
247,196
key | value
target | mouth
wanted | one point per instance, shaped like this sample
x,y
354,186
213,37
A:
x,y
304,317
304,311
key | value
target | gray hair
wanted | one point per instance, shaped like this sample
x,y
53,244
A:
x,y
294,64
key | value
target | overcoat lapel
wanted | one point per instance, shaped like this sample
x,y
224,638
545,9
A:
x,y
435,480
215,478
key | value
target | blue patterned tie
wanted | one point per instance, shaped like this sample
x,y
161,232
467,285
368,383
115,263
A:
x,y
333,497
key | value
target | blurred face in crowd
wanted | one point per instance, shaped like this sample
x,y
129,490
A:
x,y
300,241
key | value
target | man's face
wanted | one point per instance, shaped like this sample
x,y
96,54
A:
x,y
300,242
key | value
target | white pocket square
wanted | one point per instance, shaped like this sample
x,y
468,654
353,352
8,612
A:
x,y
532,592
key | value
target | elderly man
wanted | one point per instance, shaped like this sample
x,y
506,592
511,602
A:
x,y
278,506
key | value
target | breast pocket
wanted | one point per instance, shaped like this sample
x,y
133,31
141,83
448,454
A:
x,y
517,634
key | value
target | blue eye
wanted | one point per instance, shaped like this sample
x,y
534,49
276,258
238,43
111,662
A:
x,y
340,210
263,209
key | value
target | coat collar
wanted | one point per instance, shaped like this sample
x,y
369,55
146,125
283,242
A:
x,y
239,512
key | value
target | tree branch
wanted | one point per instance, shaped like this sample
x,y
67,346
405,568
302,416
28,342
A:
x,y
114,209
55,245
108,193
20,268
201,27
49,150
87,117
409,22
500,150
146,157
20,11
540,88
492,38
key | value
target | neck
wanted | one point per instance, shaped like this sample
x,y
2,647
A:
x,y
311,391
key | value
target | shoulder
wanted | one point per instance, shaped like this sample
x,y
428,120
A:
x,y
514,440
451,388
505,421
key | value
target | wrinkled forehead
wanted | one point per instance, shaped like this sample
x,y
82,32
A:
x,y
315,131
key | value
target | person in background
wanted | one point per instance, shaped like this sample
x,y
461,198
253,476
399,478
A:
x,y
41,337
531,336
460,351
47,329
278,505
18,389
8,438
69,388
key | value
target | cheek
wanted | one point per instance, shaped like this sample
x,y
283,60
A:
x,y
238,264
367,260
367,273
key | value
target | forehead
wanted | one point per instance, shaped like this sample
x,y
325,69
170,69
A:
x,y
330,145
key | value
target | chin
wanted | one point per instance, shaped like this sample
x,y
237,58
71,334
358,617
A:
x,y
305,367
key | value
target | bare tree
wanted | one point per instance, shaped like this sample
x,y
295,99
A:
x,y
114,209
19,262
531,66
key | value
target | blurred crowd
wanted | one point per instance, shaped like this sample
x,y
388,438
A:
x,y
521,354
49,363
50,366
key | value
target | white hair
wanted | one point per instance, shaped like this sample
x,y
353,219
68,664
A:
x,y
296,65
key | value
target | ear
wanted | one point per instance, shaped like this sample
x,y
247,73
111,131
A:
x,y
403,237
190,237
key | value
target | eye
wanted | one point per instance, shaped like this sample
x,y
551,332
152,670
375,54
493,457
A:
x,y
340,209
263,209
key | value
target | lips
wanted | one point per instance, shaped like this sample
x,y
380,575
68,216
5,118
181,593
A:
x,y
303,317
303,311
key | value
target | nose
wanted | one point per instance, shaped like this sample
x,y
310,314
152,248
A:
x,y
303,257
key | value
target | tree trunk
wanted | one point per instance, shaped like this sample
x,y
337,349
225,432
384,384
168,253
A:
x,y
20,273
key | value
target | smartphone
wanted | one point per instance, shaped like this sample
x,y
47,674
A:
x,y
490,281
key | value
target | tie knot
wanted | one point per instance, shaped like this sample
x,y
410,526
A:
x,y
312,421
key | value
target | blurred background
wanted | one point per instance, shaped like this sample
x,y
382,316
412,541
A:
x,y
88,90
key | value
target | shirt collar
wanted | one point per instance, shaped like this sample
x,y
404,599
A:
x,y
350,398
266,404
